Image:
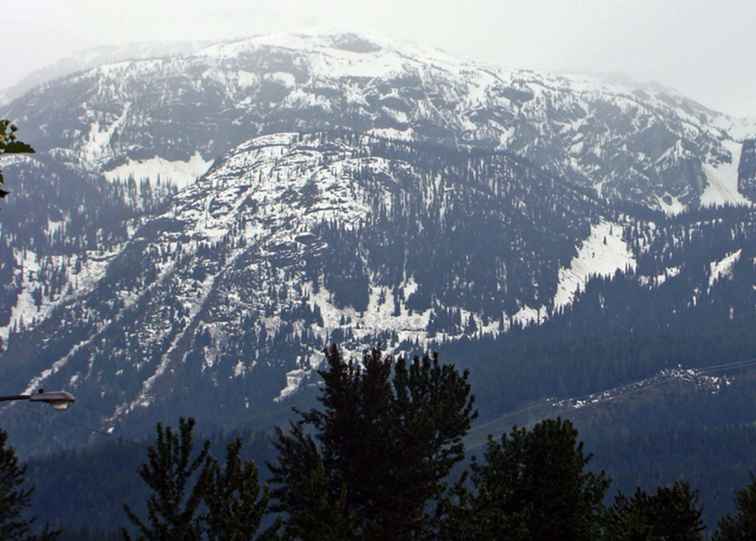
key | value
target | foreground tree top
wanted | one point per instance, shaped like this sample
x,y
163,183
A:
x,y
9,144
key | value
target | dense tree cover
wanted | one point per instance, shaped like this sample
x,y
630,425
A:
x,y
463,238
631,325
335,469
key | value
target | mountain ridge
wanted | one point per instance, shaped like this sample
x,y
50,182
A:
x,y
637,142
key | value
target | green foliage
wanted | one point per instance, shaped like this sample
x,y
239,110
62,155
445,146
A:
x,y
532,485
233,498
9,144
194,497
388,436
740,526
15,496
670,514
173,508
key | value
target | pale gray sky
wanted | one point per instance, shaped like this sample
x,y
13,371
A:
x,y
700,47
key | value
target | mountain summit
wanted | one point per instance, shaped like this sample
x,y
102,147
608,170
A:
x,y
173,114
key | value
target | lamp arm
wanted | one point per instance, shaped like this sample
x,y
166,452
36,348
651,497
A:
x,y
14,397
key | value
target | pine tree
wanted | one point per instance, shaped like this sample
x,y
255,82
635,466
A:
x,y
234,500
742,525
532,485
670,514
386,439
15,498
173,507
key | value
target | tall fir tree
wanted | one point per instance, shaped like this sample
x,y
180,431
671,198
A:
x,y
234,501
378,452
177,477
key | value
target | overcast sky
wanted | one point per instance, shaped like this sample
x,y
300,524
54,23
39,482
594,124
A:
x,y
700,47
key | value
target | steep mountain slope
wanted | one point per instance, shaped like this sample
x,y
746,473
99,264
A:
x,y
290,241
690,301
354,191
644,144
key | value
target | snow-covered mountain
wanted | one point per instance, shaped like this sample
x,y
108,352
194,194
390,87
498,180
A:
x,y
291,241
175,113
98,56
339,188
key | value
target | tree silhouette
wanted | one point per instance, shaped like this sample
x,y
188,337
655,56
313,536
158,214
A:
x,y
178,478
740,526
15,498
9,144
376,456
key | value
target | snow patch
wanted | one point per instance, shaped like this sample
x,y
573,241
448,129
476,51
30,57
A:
x,y
673,208
722,187
659,279
603,253
294,380
180,173
96,148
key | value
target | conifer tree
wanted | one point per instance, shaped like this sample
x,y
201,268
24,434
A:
x,y
178,478
194,497
532,486
233,498
377,454
15,498
670,514
740,526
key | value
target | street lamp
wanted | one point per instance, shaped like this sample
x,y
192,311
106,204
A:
x,y
60,400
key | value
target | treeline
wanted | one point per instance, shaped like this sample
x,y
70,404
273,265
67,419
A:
x,y
382,457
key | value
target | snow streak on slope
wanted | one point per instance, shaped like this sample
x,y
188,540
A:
x,y
661,278
602,254
97,147
722,268
180,173
722,179
26,312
